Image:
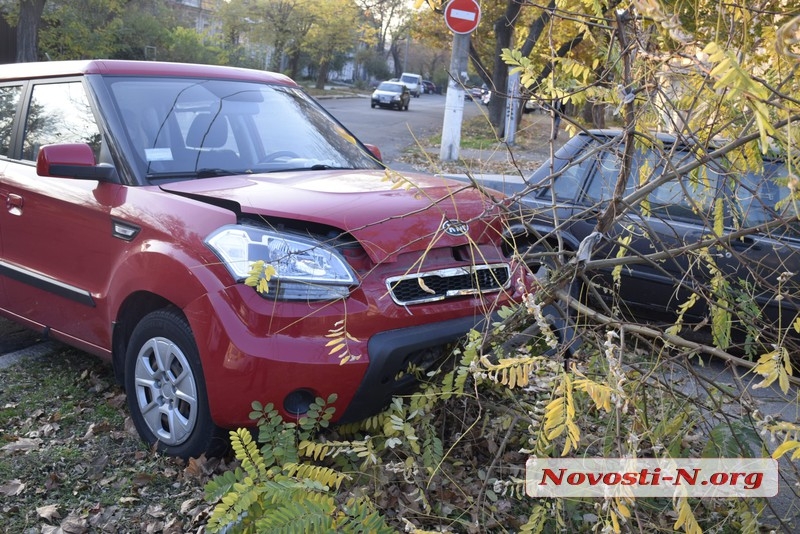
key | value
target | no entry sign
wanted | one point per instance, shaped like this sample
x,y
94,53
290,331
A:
x,y
462,16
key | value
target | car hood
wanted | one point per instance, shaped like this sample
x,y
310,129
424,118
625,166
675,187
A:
x,y
389,213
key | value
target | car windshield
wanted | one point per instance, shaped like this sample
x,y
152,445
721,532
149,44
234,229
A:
x,y
194,128
390,87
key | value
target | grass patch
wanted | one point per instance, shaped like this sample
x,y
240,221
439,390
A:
x,y
69,457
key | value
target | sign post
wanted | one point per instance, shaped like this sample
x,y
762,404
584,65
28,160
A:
x,y
461,17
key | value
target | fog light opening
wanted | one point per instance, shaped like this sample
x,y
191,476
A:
x,y
298,401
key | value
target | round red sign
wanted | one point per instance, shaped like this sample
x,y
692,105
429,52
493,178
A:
x,y
462,16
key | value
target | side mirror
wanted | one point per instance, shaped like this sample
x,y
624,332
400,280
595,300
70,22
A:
x,y
375,151
72,160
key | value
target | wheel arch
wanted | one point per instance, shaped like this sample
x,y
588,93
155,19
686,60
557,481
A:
x,y
133,309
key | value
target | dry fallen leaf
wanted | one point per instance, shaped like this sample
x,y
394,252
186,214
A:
x,y
196,468
48,512
12,487
74,524
22,445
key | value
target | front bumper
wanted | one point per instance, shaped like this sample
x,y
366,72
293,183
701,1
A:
x,y
254,349
393,352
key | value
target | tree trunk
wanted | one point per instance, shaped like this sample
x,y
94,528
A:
x,y
322,74
504,32
30,15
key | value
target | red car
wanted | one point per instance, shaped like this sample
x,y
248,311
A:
x,y
139,196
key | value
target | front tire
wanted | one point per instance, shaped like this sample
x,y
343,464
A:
x,y
166,390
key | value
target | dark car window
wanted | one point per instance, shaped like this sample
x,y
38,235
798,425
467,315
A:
x,y
391,87
602,183
9,98
567,186
762,197
59,113
689,197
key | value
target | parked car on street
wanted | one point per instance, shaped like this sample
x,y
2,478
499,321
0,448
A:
x,y
393,95
144,200
430,87
760,262
413,82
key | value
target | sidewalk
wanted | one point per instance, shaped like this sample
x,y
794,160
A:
x,y
496,163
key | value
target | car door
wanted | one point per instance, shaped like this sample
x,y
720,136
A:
x,y
671,216
56,232
763,266
10,96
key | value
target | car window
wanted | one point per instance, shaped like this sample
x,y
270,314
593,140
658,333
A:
x,y
689,197
762,196
568,185
602,183
9,98
393,87
59,113
178,127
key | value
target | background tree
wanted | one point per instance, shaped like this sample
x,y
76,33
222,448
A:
x,y
144,31
26,17
335,30
82,29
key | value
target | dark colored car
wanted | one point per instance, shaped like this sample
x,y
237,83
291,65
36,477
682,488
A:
x,y
141,196
391,95
760,260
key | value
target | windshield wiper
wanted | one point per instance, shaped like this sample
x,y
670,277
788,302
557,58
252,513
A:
x,y
208,172
192,175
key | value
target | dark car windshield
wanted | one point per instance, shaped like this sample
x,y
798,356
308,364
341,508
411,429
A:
x,y
192,128
390,87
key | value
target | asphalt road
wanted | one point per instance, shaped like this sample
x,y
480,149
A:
x,y
390,130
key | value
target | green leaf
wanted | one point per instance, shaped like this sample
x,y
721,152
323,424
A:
x,y
732,440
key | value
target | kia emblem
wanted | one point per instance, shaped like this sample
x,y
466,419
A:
x,y
455,227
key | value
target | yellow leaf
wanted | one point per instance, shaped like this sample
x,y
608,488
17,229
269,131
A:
x,y
337,348
623,510
785,447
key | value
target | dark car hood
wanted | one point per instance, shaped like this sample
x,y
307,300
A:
x,y
373,206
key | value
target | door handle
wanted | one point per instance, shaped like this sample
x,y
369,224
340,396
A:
x,y
14,204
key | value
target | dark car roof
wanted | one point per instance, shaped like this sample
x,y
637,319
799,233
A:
x,y
23,71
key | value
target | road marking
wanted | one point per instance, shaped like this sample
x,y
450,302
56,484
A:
x,y
462,14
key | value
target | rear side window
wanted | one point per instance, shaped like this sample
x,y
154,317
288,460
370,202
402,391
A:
x,y
59,113
9,99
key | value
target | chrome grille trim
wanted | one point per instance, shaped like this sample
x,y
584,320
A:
x,y
449,283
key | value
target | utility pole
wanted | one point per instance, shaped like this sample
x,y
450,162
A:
x,y
462,17
454,101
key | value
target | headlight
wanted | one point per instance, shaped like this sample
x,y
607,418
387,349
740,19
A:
x,y
305,269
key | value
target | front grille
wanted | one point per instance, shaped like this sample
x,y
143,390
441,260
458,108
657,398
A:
x,y
448,283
